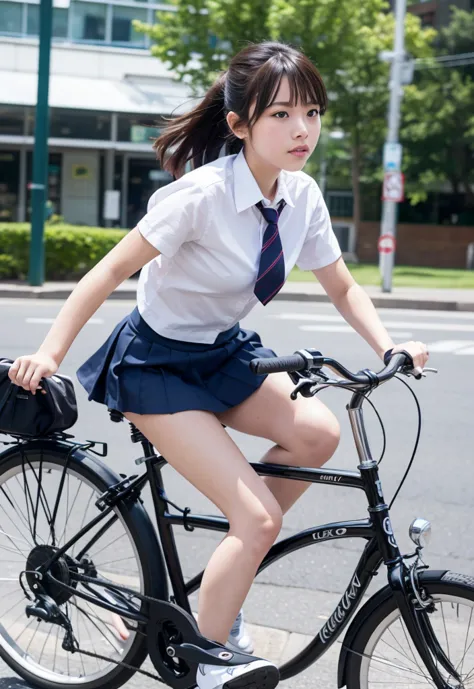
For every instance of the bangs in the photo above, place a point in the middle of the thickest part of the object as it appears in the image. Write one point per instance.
(306, 84)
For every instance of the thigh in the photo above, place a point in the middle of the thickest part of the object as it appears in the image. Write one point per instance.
(270, 413)
(198, 447)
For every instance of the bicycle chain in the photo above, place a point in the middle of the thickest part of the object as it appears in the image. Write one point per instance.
(156, 677)
(121, 663)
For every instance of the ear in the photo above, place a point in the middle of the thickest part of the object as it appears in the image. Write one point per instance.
(239, 130)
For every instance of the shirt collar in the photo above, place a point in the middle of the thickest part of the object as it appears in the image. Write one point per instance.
(246, 190)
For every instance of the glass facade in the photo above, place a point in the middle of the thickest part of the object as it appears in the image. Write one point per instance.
(107, 23)
(139, 129)
(11, 119)
(122, 27)
(88, 21)
(11, 17)
(74, 124)
(9, 180)
(59, 21)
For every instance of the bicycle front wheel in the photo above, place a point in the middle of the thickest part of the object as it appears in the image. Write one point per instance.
(383, 653)
(45, 498)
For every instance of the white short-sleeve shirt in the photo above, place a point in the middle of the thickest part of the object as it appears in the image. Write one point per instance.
(209, 233)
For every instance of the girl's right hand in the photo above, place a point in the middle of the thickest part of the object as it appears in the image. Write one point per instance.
(27, 371)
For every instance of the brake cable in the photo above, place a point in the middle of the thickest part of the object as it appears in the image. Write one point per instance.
(384, 436)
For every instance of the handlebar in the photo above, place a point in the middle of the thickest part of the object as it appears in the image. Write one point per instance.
(312, 360)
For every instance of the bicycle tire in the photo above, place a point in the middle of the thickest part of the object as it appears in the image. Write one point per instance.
(365, 661)
(135, 521)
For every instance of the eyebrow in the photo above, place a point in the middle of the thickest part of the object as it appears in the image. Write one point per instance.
(289, 104)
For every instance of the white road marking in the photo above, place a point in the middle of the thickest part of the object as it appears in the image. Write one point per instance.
(465, 350)
(448, 346)
(345, 329)
(419, 325)
(92, 321)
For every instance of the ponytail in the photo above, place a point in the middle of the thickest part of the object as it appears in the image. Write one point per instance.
(199, 135)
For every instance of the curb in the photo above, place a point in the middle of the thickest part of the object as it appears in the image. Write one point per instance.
(379, 301)
(386, 302)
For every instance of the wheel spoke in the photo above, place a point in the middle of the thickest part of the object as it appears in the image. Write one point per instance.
(43, 503)
(451, 623)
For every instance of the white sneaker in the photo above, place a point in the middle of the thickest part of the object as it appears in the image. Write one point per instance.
(239, 639)
(260, 674)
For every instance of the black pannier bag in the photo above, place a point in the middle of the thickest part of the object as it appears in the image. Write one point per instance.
(25, 414)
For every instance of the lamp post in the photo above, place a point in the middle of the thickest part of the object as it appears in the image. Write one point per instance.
(40, 151)
(390, 207)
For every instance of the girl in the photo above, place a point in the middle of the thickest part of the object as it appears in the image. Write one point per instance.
(212, 245)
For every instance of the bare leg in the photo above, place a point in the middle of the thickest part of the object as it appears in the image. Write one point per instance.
(306, 433)
(197, 446)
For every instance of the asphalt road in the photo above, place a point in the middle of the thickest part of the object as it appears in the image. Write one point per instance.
(296, 595)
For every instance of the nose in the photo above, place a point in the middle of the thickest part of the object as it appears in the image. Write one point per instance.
(300, 130)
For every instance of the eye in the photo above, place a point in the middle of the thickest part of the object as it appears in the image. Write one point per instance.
(314, 110)
(277, 115)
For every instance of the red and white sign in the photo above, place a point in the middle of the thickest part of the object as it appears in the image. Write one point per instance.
(393, 184)
(386, 244)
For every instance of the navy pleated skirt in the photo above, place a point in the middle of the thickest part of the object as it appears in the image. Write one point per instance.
(138, 370)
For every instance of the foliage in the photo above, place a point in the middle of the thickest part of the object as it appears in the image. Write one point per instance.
(70, 251)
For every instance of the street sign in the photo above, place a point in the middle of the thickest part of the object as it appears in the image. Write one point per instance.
(386, 244)
(408, 69)
(393, 183)
(392, 157)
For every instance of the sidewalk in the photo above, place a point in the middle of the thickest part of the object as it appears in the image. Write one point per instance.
(399, 298)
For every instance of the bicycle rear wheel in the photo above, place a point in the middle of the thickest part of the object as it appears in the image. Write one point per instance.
(42, 505)
(384, 654)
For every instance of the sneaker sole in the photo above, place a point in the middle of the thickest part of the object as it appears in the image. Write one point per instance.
(261, 678)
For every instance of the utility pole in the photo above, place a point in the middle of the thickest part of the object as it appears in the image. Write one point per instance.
(390, 207)
(40, 151)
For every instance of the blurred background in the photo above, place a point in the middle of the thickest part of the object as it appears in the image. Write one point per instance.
(120, 67)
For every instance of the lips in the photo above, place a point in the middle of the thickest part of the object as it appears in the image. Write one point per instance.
(299, 149)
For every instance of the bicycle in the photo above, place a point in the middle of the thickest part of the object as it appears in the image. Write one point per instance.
(60, 637)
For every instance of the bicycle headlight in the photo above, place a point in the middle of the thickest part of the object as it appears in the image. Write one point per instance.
(420, 532)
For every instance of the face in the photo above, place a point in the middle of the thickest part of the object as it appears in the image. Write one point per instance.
(284, 136)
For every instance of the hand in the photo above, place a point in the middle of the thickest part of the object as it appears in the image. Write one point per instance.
(27, 371)
(418, 352)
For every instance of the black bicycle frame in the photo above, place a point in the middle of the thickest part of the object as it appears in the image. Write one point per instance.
(381, 546)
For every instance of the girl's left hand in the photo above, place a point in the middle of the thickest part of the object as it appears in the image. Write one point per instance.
(418, 352)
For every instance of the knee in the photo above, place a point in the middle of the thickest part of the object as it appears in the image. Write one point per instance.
(317, 439)
(259, 527)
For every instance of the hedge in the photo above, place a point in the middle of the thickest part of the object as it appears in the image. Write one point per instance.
(71, 251)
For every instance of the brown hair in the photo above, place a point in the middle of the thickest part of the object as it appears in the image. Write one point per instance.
(254, 75)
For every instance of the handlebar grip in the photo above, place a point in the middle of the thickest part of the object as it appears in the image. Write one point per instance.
(279, 364)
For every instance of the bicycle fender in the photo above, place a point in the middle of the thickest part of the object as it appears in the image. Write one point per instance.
(154, 573)
(378, 599)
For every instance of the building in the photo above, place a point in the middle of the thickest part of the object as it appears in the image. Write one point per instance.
(436, 13)
(107, 97)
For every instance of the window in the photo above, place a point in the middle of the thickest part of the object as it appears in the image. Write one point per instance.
(74, 124)
(11, 119)
(59, 21)
(138, 128)
(122, 27)
(88, 21)
(10, 17)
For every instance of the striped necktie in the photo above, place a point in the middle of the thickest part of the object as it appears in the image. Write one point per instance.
(271, 271)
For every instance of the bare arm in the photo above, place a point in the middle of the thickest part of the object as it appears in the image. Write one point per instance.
(355, 305)
(125, 259)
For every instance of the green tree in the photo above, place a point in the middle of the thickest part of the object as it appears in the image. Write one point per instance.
(438, 118)
(341, 37)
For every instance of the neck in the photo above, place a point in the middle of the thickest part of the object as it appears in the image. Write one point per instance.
(266, 175)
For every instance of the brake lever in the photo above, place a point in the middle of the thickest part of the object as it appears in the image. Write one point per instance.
(420, 375)
(303, 387)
